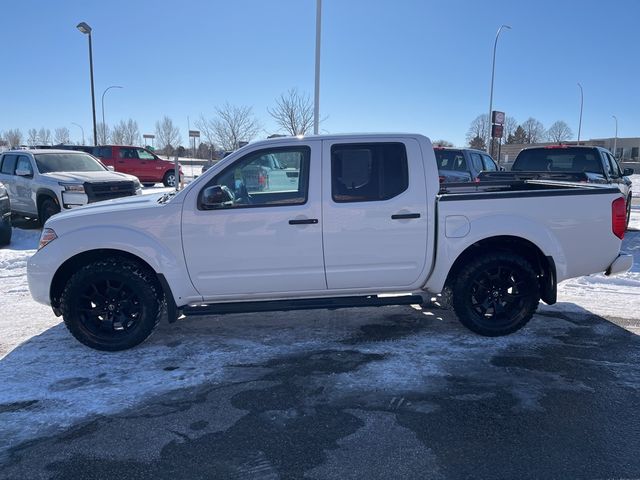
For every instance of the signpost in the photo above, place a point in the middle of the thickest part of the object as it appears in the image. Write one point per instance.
(149, 136)
(497, 129)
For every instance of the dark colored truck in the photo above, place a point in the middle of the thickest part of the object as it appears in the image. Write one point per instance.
(462, 164)
(568, 163)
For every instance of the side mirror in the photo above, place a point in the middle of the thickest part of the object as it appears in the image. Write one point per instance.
(502, 169)
(217, 196)
(628, 171)
(110, 168)
(24, 173)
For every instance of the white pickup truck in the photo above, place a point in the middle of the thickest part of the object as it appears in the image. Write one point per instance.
(365, 218)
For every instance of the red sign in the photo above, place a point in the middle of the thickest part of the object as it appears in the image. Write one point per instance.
(497, 131)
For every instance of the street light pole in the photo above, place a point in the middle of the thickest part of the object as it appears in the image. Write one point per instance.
(82, 129)
(493, 72)
(86, 29)
(316, 96)
(581, 103)
(104, 126)
(615, 140)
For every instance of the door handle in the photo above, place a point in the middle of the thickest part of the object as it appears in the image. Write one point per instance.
(303, 221)
(404, 216)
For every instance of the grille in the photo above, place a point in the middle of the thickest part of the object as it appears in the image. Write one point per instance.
(96, 192)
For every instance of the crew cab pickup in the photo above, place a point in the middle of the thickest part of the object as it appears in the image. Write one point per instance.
(462, 164)
(363, 224)
(570, 164)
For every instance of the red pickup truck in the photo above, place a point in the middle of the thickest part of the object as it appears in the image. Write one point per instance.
(144, 164)
(138, 161)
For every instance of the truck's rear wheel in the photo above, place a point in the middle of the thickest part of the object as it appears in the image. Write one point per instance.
(169, 179)
(5, 230)
(111, 304)
(496, 294)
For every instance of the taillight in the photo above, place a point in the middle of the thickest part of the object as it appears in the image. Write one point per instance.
(619, 217)
(476, 180)
(441, 179)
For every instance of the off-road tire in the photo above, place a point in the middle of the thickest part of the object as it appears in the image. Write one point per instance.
(169, 179)
(48, 208)
(5, 231)
(496, 294)
(78, 298)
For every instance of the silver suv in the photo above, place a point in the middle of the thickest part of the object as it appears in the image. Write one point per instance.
(41, 183)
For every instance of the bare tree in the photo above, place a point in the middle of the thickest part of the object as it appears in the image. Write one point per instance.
(479, 129)
(534, 130)
(61, 135)
(167, 135)
(510, 125)
(126, 133)
(559, 132)
(44, 136)
(293, 112)
(104, 132)
(442, 143)
(233, 124)
(13, 137)
(32, 136)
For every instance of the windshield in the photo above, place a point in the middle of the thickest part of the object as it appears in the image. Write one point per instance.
(558, 160)
(67, 162)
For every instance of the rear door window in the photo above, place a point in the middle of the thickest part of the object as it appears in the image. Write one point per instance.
(368, 172)
(9, 164)
(101, 152)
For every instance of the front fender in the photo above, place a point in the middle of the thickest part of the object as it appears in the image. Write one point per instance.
(165, 257)
(449, 249)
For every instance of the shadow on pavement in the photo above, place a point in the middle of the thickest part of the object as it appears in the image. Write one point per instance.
(372, 393)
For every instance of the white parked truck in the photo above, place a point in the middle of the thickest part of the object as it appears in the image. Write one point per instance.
(364, 218)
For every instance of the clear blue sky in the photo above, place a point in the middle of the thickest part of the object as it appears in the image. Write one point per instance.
(401, 65)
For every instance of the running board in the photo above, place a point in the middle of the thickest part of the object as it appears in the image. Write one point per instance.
(302, 304)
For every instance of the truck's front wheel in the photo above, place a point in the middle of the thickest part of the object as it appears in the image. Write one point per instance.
(111, 304)
(496, 294)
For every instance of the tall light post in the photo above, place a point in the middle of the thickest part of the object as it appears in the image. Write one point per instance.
(615, 139)
(316, 95)
(104, 126)
(86, 29)
(581, 103)
(80, 127)
(493, 73)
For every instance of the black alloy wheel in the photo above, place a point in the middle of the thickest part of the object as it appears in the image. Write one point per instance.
(111, 304)
(496, 294)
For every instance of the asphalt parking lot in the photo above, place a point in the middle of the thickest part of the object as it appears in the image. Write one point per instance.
(392, 392)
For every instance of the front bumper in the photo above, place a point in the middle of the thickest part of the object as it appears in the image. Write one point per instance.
(621, 264)
(39, 276)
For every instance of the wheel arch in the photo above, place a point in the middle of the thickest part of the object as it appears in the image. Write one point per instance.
(72, 264)
(44, 193)
(544, 265)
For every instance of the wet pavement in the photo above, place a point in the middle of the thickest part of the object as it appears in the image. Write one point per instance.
(392, 392)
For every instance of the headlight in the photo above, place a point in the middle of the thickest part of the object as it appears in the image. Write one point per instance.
(48, 236)
(73, 187)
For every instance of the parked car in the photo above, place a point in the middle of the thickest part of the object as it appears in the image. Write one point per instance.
(363, 218)
(41, 183)
(570, 163)
(462, 164)
(137, 161)
(5, 216)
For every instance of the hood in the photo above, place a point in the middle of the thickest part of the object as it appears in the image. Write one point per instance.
(116, 205)
(99, 176)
